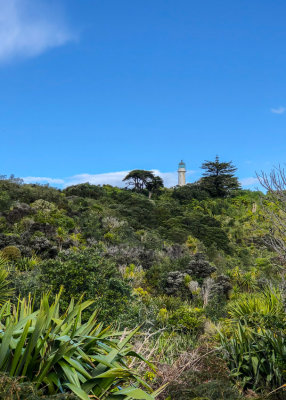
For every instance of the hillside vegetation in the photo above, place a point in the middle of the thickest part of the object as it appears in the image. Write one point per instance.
(192, 267)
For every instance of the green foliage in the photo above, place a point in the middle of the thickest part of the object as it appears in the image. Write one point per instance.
(216, 309)
(188, 319)
(156, 263)
(264, 309)
(27, 263)
(110, 237)
(11, 253)
(245, 280)
(193, 244)
(90, 273)
(185, 194)
(254, 340)
(12, 388)
(219, 179)
(58, 352)
(185, 319)
(207, 229)
(140, 179)
(256, 357)
(85, 190)
(6, 291)
(138, 211)
(5, 201)
(48, 213)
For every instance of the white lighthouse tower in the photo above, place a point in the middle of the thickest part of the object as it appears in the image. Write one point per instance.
(182, 174)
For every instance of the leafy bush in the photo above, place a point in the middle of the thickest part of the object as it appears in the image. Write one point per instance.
(85, 190)
(185, 194)
(188, 319)
(11, 253)
(88, 272)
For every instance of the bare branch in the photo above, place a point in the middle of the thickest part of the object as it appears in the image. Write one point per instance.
(275, 209)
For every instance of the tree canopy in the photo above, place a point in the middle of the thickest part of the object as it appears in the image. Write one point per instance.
(219, 179)
(140, 179)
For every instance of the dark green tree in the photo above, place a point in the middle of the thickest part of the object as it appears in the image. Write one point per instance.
(155, 185)
(189, 192)
(219, 179)
(139, 179)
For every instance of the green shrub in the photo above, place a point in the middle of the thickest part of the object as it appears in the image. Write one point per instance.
(110, 237)
(188, 319)
(87, 271)
(27, 263)
(216, 308)
(85, 190)
(11, 253)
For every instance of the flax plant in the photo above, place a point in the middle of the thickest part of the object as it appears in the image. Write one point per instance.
(60, 353)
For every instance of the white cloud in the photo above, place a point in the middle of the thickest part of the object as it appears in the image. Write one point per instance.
(115, 179)
(171, 178)
(29, 27)
(41, 179)
(279, 110)
(249, 181)
(110, 178)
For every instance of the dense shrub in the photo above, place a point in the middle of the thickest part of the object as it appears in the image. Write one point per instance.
(188, 319)
(88, 272)
(85, 190)
(11, 253)
(185, 194)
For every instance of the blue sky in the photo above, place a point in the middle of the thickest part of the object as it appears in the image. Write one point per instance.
(91, 89)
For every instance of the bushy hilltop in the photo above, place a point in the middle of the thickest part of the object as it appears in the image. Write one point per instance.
(184, 264)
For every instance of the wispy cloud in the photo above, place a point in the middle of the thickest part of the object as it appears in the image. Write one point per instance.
(110, 178)
(279, 110)
(30, 27)
(41, 179)
(115, 179)
(171, 178)
(245, 182)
